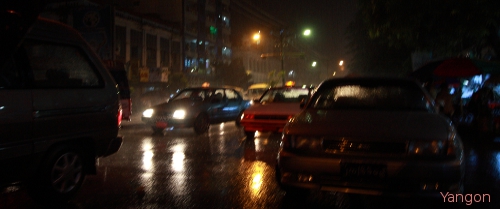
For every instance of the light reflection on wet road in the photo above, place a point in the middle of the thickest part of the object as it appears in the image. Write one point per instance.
(223, 170)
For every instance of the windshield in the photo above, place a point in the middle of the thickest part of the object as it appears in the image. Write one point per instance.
(287, 95)
(358, 96)
(195, 94)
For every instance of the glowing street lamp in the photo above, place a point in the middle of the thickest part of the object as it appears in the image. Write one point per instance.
(256, 36)
(313, 64)
(307, 32)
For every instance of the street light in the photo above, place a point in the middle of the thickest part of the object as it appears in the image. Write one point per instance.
(307, 32)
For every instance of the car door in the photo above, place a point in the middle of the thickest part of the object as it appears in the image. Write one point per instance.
(16, 119)
(233, 106)
(217, 104)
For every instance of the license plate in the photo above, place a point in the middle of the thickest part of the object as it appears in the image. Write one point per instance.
(161, 124)
(363, 171)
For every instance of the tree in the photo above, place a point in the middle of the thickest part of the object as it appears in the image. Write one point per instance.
(371, 56)
(446, 27)
(233, 74)
(385, 33)
(275, 77)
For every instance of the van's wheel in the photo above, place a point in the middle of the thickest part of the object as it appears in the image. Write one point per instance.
(60, 176)
(201, 124)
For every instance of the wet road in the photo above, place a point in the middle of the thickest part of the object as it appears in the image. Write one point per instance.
(223, 170)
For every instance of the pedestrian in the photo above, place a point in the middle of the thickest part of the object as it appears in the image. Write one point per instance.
(479, 106)
(445, 100)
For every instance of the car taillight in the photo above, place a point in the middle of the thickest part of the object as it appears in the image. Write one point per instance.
(120, 113)
(247, 116)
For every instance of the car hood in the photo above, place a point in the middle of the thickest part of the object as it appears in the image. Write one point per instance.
(274, 109)
(379, 125)
(177, 104)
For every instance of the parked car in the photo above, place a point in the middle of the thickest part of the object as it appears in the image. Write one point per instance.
(59, 107)
(371, 136)
(197, 108)
(272, 111)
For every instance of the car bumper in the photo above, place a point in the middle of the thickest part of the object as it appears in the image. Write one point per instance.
(170, 123)
(263, 126)
(113, 146)
(403, 178)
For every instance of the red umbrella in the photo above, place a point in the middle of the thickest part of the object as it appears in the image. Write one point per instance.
(455, 68)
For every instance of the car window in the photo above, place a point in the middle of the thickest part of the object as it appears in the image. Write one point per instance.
(232, 95)
(285, 95)
(57, 65)
(196, 94)
(371, 97)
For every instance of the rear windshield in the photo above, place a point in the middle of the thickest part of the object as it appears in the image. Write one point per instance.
(372, 96)
(286, 95)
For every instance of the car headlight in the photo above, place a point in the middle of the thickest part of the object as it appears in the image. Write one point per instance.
(148, 113)
(179, 114)
(302, 143)
(433, 147)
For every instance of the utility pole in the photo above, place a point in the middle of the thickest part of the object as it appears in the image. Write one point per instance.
(282, 56)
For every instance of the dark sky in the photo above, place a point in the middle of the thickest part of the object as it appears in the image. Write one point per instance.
(327, 19)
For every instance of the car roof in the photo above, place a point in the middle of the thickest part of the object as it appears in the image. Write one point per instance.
(44, 28)
(207, 88)
(370, 79)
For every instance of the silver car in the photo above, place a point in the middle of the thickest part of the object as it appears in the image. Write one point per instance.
(372, 136)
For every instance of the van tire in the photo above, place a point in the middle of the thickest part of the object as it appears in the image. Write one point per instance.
(60, 176)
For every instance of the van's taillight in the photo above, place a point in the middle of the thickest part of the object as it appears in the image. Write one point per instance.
(120, 113)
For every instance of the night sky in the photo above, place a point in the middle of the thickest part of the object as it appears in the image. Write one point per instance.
(327, 19)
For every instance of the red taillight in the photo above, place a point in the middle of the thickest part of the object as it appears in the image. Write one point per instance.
(248, 116)
(120, 113)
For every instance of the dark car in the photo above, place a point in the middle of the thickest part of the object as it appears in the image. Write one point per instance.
(59, 107)
(197, 108)
(371, 136)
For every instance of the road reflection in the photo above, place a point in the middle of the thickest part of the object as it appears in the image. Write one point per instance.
(221, 169)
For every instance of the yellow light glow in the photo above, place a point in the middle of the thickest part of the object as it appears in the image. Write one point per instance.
(256, 36)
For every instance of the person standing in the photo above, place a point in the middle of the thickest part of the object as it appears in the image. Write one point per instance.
(445, 100)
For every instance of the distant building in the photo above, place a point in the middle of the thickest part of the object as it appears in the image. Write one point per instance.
(176, 36)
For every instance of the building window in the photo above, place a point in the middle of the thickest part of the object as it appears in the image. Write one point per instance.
(164, 52)
(136, 45)
(120, 43)
(151, 51)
